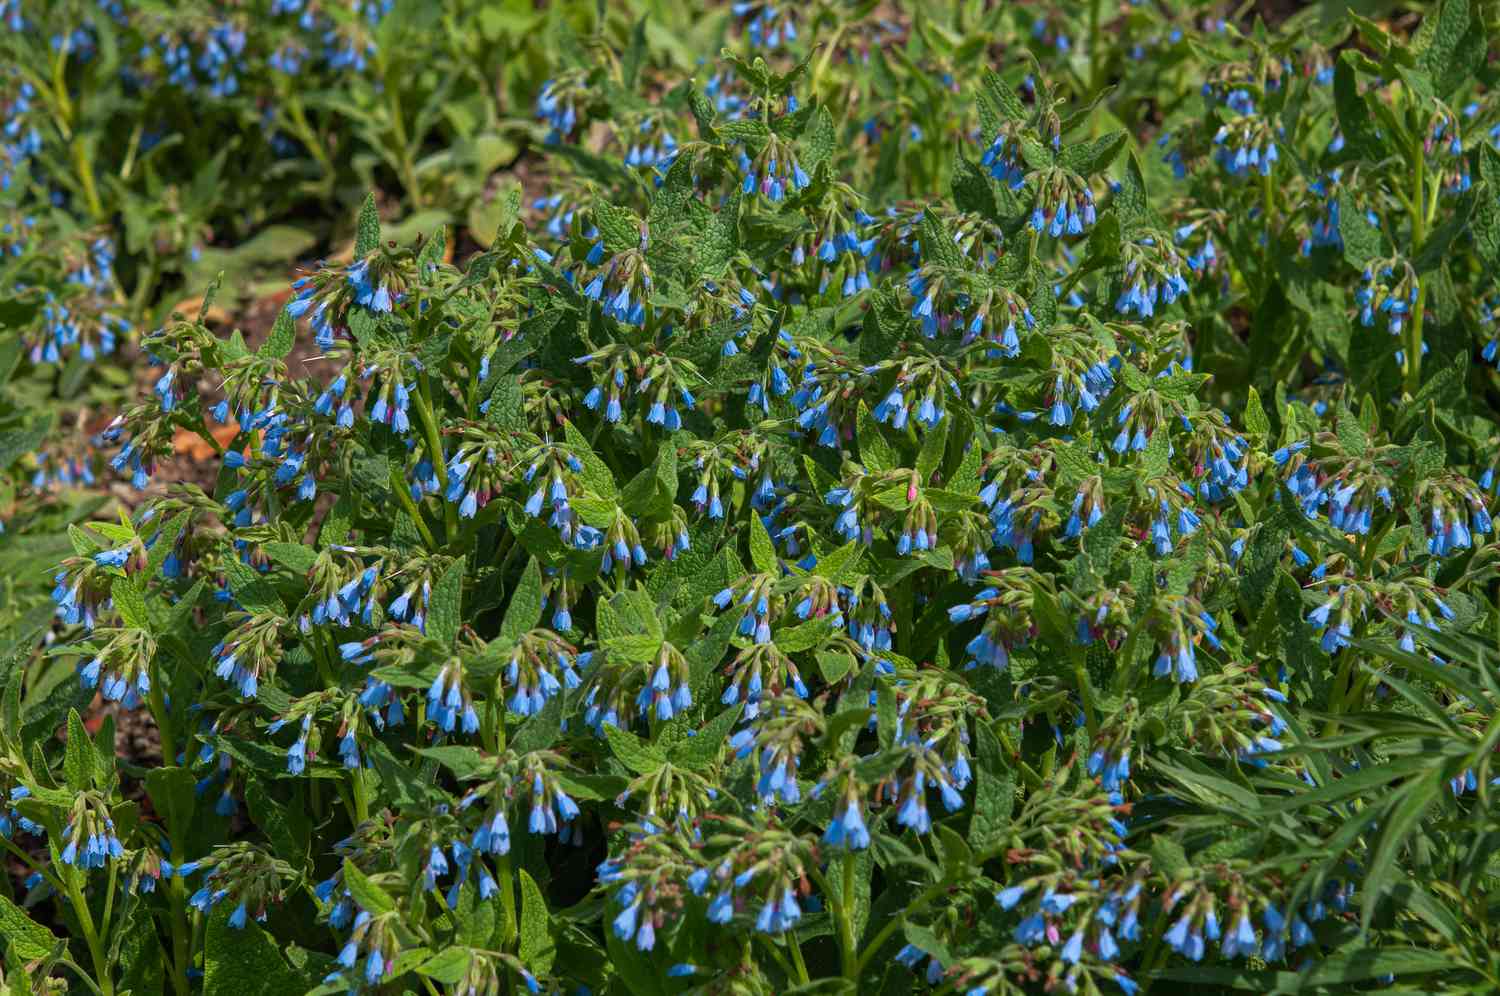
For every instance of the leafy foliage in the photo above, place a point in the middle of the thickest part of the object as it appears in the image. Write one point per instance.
(869, 526)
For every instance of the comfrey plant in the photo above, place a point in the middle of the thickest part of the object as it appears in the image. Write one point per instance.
(830, 541)
(146, 147)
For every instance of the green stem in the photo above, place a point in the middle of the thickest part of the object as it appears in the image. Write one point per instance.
(90, 936)
(398, 485)
(309, 138)
(916, 906)
(508, 924)
(145, 284)
(109, 899)
(361, 795)
(796, 949)
(182, 935)
(774, 952)
(82, 975)
(1028, 774)
(825, 59)
(84, 166)
(1418, 236)
(403, 148)
(158, 702)
(847, 940)
(435, 451)
(1086, 693)
(1414, 341)
(1094, 46)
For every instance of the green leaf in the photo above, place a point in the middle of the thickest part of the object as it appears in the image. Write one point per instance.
(994, 793)
(537, 949)
(635, 969)
(1256, 421)
(1356, 123)
(448, 966)
(618, 226)
(819, 141)
(1005, 99)
(525, 609)
(1169, 858)
(288, 828)
(340, 519)
(367, 228)
(635, 56)
(542, 729)
(366, 892)
(804, 636)
(250, 589)
(699, 751)
(130, 604)
(445, 612)
(637, 755)
(1131, 202)
(1091, 158)
(1156, 460)
(172, 796)
(762, 550)
(1451, 45)
(934, 444)
(166, 540)
(293, 556)
(283, 336)
(596, 475)
(464, 762)
(874, 452)
(937, 242)
(245, 961)
(78, 760)
(721, 237)
(1362, 241)
(840, 565)
(972, 189)
(16, 443)
(27, 939)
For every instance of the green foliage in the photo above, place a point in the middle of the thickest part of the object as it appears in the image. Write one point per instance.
(973, 499)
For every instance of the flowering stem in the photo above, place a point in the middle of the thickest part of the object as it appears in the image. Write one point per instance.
(90, 936)
(182, 935)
